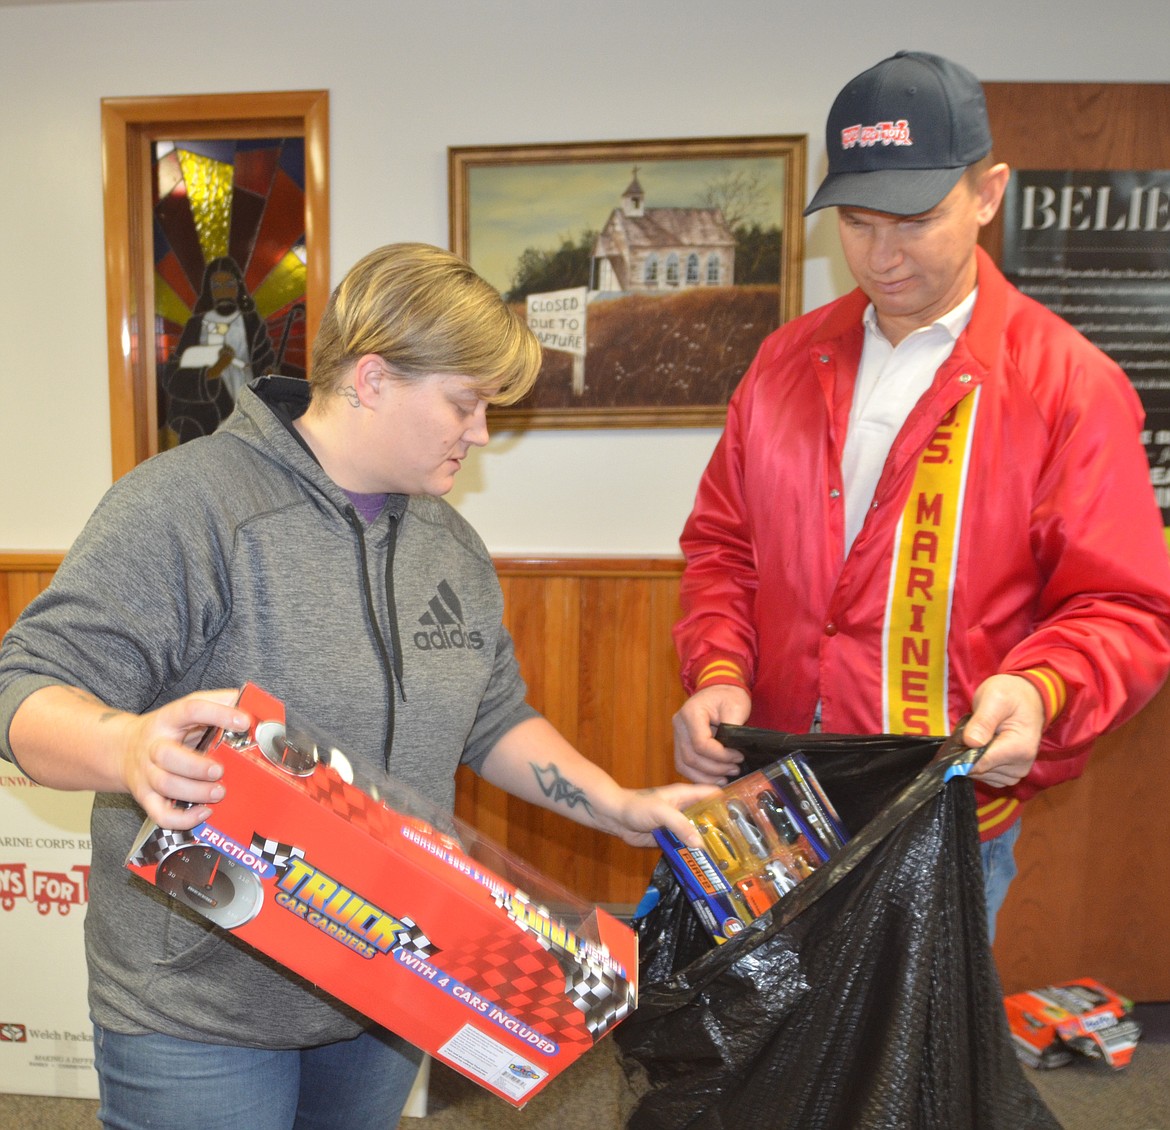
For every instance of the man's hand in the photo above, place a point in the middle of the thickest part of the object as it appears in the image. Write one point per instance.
(697, 755)
(1008, 713)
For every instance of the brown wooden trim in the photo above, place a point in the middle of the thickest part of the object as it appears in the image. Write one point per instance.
(30, 561)
(22, 577)
(129, 125)
(666, 567)
(37, 559)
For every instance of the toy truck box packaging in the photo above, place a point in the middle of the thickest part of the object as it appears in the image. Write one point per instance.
(384, 902)
(1051, 1025)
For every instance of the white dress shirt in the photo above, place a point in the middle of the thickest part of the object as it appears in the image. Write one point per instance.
(890, 381)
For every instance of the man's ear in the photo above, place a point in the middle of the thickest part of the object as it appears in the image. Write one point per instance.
(992, 186)
(370, 376)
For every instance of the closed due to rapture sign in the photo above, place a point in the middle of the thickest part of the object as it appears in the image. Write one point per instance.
(558, 319)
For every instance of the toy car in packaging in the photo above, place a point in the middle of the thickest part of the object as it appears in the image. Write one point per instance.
(762, 836)
(1052, 1024)
(396, 908)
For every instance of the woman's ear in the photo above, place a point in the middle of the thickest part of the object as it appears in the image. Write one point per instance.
(370, 376)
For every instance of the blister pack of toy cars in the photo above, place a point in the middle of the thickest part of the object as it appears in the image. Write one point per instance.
(761, 837)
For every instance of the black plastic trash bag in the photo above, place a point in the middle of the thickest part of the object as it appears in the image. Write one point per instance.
(867, 998)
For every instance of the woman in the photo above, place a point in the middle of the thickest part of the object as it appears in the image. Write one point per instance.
(305, 547)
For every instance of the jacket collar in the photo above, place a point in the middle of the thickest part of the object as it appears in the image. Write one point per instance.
(983, 334)
(985, 331)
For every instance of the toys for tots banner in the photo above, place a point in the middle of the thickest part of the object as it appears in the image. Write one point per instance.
(46, 1041)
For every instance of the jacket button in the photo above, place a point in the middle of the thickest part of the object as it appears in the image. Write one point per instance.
(834, 493)
(824, 358)
(830, 629)
(965, 379)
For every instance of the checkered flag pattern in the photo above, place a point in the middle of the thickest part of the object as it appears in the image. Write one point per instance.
(415, 941)
(511, 970)
(602, 996)
(352, 804)
(274, 851)
(160, 843)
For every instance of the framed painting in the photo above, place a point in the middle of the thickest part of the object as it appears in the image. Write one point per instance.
(217, 255)
(651, 271)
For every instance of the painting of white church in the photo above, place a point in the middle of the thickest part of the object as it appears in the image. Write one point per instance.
(648, 250)
(649, 270)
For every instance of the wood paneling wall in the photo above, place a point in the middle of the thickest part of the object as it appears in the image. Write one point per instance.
(23, 576)
(595, 648)
(593, 637)
(1091, 898)
(594, 642)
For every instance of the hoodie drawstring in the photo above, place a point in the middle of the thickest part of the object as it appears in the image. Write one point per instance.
(392, 655)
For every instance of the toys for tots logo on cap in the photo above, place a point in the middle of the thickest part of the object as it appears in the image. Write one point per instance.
(880, 133)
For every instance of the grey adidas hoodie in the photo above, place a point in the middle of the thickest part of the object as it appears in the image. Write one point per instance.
(235, 558)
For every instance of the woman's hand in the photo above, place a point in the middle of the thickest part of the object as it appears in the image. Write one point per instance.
(65, 738)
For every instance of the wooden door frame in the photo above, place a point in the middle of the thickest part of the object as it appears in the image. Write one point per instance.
(129, 127)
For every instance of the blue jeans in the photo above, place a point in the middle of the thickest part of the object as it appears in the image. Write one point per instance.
(160, 1082)
(999, 869)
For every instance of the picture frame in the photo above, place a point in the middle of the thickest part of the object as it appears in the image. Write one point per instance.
(651, 271)
(131, 127)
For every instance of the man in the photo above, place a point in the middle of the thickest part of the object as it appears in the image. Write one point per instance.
(930, 498)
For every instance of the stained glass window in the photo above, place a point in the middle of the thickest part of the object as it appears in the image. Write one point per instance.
(229, 274)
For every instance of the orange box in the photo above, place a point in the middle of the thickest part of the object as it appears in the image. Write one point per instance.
(1049, 1025)
(487, 966)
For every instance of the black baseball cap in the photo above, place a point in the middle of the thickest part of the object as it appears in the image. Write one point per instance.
(900, 135)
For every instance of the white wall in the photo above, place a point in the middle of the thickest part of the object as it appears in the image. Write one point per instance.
(407, 78)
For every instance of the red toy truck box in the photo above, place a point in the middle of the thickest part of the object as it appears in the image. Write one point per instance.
(491, 969)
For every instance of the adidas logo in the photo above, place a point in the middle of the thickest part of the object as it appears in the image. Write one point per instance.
(443, 624)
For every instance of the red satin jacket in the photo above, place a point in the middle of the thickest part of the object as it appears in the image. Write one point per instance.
(1055, 556)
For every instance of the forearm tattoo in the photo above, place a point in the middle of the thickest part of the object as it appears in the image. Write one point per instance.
(558, 789)
(93, 700)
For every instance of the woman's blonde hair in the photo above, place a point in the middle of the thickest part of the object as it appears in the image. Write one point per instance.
(424, 310)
